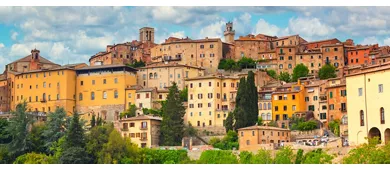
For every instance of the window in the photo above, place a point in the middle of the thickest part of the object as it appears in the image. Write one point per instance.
(343, 92)
(380, 87)
(293, 97)
(361, 118)
(285, 108)
(315, 98)
(191, 85)
(331, 107)
(276, 108)
(81, 96)
(336, 49)
(290, 58)
(360, 91)
(307, 99)
(280, 66)
(104, 95)
(269, 106)
(330, 95)
(44, 85)
(289, 66)
(324, 107)
(285, 117)
(129, 95)
(343, 107)
(200, 113)
(93, 82)
(116, 80)
(201, 46)
(260, 106)
(200, 84)
(294, 107)
(209, 84)
(147, 95)
(104, 81)
(81, 83)
(115, 94)
(382, 112)
(311, 108)
(92, 95)
(281, 58)
(322, 115)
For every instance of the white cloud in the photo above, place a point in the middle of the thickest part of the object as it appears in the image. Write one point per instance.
(179, 34)
(386, 41)
(310, 27)
(14, 35)
(369, 40)
(214, 30)
(263, 27)
(2, 45)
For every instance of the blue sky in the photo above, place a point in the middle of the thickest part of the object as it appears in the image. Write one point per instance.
(73, 34)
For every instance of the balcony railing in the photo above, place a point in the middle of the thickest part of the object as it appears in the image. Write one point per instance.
(143, 127)
(43, 100)
(233, 100)
(124, 129)
(143, 139)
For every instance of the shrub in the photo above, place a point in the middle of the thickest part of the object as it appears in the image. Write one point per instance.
(217, 157)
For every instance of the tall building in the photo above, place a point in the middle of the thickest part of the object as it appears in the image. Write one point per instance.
(368, 104)
(146, 34)
(229, 32)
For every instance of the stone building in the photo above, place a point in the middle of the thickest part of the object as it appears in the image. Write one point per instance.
(229, 33)
(254, 138)
(286, 49)
(34, 61)
(313, 90)
(252, 46)
(126, 53)
(337, 99)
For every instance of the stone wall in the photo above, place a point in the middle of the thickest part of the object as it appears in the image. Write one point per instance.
(306, 134)
(107, 112)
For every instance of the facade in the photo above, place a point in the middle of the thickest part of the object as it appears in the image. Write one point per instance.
(229, 33)
(312, 60)
(204, 53)
(34, 61)
(286, 49)
(368, 105)
(313, 90)
(142, 130)
(210, 100)
(334, 54)
(101, 90)
(337, 99)
(361, 55)
(313, 45)
(161, 76)
(288, 101)
(252, 46)
(128, 52)
(4, 102)
(265, 105)
(251, 138)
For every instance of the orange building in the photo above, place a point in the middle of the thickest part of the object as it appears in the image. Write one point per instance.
(361, 54)
(253, 138)
(337, 99)
(318, 44)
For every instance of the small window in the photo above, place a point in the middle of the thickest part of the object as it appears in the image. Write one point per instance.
(380, 88)
(92, 95)
(361, 118)
(115, 94)
(104, 95)
(116, 80)
(360, 91)
(382, 115)
(81, 83)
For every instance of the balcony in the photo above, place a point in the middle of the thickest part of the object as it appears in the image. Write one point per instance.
(124, 129)
(43, 101)
(143, 139)
(143, 128)
(232, 100)
(224, 99)
(169, 58)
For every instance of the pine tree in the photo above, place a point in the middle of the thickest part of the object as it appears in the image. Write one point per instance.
(75, 133)
(229, 122)
(55, 124)
(93, 121)
(172, 125)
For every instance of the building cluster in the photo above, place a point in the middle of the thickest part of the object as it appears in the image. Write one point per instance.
(107, 86)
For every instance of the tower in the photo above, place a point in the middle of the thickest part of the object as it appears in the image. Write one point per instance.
(146, 34)
(34, 62)
(229, 33)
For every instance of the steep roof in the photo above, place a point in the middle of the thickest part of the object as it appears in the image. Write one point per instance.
(28, 59)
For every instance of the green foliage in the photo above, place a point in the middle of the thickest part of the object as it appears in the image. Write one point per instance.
(130, 112)
(299, 71)
(334, 126)
(18, 129)
(189, 130)
(262, 157)
(36, 139)
(228, 65)
(228, 142)
(93, 121)
(260, 121)
(246, 62)
(285, 76)
(184, 94)
(172, 125)
(34, 158)
(4, 154)
(299, 157)
(284, 156)
(137, 64)
(369, 153)
(154, 156)
(57, 148)
(116, 148)
(75, 133)
(272, 73)
(317, 156)
(55, 127)
(5, 136)
(97, 137)
(217, 157)
(229, 122)
(327, 71)
(302, 125)
(272, 124)
(75, 155)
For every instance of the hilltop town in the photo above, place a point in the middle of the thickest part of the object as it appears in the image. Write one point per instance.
(309, 94)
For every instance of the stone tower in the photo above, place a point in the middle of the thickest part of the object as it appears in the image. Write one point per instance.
(34, 62)
(146, 34)
(229, 33)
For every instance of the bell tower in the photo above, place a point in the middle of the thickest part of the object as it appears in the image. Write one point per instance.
(34, 62)
(229, 33)
(146, 34)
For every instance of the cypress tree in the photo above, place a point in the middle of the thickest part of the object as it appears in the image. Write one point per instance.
(251, 107)
(172, 125)
(229, 122)
(93, 121)
(241, 99)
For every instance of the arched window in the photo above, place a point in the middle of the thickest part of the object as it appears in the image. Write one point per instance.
(260, 106)
(263, 116)
(361, 118)
(269, 116)
(382, 112)
(150, 75)
(81, 96)
(104, 95)
(269, 106)
(44, 97)
(155, 75)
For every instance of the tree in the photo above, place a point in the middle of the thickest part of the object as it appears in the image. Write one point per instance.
(334, 127)
(117, 148)
(299, 71)
(272, 73)
(130, 112)
(246, 62)
(317, 156)
(369, 153)
(260, 121)
(262, 157)
(34, 158)
(217, 157)
(228, 142)
(75, 155)
(172, 125)
(154, 156)
(93, 121)
(229, 122)
(137, 64)
(285, 76)
(241, 100)
(18, 128)
(97, 137)
(5, 136)
(284, 156)
(184, 94)
(251, 107)
(36, 139)
(4, 154)
(327, 71)
(299, 157)
(75, 133)
(55, 127)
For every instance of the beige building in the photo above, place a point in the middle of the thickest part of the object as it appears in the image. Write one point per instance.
(205, 53)
(368, 104)
(142, 130)
(161, 76)
(210, 100)
(313, 90)
(312, 60)
(149, 98)
(253, 138)
(286, 49)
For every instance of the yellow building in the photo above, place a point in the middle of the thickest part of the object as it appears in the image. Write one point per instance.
(46, 90)
(161, 75)
(288, 100)
(101, 90)
(143, 130)
(210, 100)
(368, 104)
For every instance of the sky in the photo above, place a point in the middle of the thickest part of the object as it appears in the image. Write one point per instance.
(73, 34)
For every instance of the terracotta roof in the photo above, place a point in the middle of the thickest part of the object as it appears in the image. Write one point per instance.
(105, 66)
(316, 83)
(331, 45)
(187, 40)
(284, 37)
(142, 117)
(159, 65)
(336, 85)
(28, 59)
(212, 77)
(312, 42)
(263, 128)
(378, 68)
(146, 90)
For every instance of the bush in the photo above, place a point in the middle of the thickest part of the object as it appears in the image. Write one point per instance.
(34, 158)
(334, 126)
(217, 157)
(317, 156)
(262, 157)
(272, 73)
(153, 156)
(284, 156)
(228, 142)
(369, 153)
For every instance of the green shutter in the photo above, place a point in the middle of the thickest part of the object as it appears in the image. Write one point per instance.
(330, 95)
